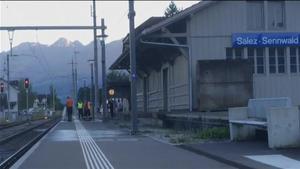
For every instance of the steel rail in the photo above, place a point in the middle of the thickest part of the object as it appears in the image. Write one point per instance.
(17, 155)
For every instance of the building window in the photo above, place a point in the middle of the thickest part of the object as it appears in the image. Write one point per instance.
(255, 15)
(239, 53)
(298, 59)
(272, 60)
(293, 59)
(250, 52)
(281, 59)
(260, 61)
(276, 14)
(229, 53)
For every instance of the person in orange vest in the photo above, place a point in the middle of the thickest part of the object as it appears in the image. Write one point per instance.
(69, 105)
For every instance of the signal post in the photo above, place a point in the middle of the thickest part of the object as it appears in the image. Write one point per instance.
(26, 86)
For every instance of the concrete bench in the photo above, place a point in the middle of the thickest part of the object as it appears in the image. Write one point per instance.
(275, 115)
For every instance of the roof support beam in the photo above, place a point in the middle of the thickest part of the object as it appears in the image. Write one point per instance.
(169, 35)
(175, 41)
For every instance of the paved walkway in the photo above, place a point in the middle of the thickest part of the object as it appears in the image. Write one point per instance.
(90, 145)
(251, 154)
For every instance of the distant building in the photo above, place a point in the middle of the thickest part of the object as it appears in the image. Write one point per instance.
(13, 100)
(217, 54)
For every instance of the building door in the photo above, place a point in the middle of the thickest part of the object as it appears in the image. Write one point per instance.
(165, 89)
(145, 93)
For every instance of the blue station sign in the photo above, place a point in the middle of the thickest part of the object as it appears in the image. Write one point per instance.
(265, 39)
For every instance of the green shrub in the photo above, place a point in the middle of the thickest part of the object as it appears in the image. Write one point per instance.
(213, 133)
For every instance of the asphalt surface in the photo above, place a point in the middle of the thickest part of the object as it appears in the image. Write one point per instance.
(79, 145)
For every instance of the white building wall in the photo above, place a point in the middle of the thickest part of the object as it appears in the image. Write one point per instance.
(210, 33)
(177, 88)
(139, 96)
(287, 84)
(13, 97)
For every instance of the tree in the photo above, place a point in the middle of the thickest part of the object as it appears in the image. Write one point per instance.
(171, 10)
(58, 104)
(117, 76)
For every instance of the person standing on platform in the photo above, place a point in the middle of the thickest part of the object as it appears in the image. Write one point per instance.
(69, 105)
(111, 108)
(80, 109)
(87, 109)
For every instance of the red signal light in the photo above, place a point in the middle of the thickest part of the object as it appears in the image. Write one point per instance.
(26, 83)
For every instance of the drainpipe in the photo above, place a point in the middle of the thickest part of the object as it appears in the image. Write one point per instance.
(189, 63)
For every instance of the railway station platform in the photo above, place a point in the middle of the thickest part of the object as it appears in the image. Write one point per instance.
(97, 145)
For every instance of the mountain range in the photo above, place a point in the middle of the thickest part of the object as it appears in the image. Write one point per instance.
(50, 64)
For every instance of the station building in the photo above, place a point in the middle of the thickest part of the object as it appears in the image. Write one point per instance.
(217, 54)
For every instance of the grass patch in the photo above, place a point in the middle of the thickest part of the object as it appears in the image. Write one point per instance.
(212, 133)
(38, 116)
(3, 121)
(124, 126)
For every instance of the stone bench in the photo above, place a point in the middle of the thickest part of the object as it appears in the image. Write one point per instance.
(275, 115)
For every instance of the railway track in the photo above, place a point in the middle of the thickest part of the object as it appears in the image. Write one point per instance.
(14, 146)
(5, 126)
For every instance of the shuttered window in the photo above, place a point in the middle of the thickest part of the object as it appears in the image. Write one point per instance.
(293, 59)
(255, 15)
(260, 59)
(281, 59)
(272, 60)
(276, 14)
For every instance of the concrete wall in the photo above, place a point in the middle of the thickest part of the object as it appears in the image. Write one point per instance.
(177, 89)
(283, 127)
(223, 84)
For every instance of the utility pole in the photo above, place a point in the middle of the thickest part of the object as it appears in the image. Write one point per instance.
(53, 97)
(8, 93)
(27, 109)
(131, 16)
(96, 102)
(75, 77)
(10, 37)
(84, 90)
(92, 84)
(103, 53)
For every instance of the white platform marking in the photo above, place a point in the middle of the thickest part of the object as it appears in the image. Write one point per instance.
(278, 161)
(93, 155)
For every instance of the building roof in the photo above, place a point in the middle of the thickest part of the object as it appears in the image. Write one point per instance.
(155, 23)
(181, 15)
(138, 31)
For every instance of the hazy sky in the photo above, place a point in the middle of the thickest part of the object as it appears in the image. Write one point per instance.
(39, 13)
